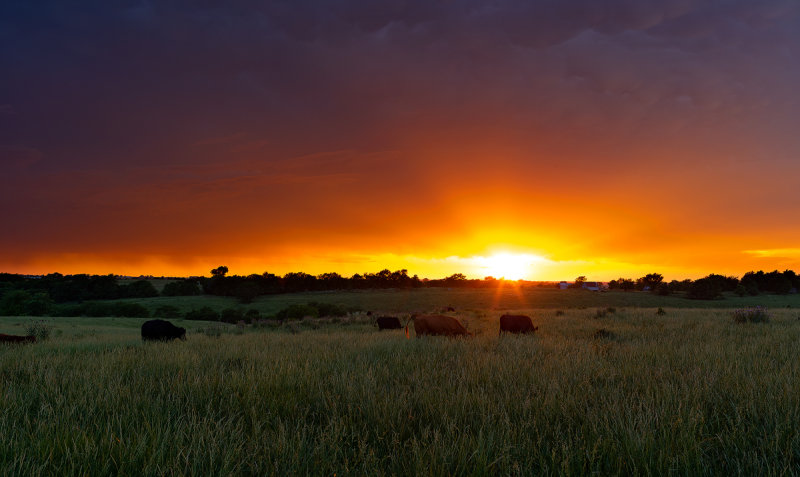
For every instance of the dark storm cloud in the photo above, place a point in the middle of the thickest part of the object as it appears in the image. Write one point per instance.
(276, 101)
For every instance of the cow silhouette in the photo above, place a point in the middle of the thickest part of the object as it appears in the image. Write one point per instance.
(161, 330)
(437, 325)
(516, 324)
(4, 338)
(388, 323)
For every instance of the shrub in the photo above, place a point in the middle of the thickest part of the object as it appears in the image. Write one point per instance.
(298, 311)
(230, 315)
(740, 290)
(205, 313)
(660, 311)
(755, 314)
(23, 303)
(40, 329)
(252, 315)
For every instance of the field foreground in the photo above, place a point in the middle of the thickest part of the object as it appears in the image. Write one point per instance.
(688, 392)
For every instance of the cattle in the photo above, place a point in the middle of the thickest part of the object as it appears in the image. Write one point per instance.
(160, 330)
(441, 325)
(388, 323)
(4, 338)
(516, 324)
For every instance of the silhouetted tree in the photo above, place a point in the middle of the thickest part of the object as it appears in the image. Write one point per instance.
(220, 271)
(649, 281)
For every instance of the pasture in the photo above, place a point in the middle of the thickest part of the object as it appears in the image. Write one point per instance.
(686, 392)
(468, 299)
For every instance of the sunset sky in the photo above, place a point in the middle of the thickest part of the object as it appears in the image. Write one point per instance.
(598, 138)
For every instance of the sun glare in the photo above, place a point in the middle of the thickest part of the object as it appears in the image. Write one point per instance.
(510, 266)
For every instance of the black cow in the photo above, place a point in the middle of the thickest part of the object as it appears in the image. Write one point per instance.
(516, 324)
(4, 338)
(388, 323)
(162, 331)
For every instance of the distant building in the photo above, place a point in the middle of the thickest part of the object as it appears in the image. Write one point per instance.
(593, 286)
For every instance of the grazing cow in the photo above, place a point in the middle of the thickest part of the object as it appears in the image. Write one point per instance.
(4, 338)
(437, 325)
(388, 323)
(517, 324)
(162, 331)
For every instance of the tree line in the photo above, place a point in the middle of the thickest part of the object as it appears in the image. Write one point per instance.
(21, 295)
(713, 286)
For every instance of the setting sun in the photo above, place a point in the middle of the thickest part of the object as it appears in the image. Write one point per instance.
(510, 266)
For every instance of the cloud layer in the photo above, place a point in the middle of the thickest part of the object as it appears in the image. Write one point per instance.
(633, 131)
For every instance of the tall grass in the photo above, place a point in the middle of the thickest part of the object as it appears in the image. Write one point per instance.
(689, 392)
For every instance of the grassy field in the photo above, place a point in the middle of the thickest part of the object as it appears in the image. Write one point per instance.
(689, 392)
(508, 298)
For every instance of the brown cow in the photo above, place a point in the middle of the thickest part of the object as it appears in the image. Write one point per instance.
(437, 325)
(517, 324)
(4, 338)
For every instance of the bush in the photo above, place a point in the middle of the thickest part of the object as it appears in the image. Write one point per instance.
(740, 290)
(298, 311)
(40, 329)
(167, 311)
(756, 314)
(660, 311)
(252, 315)
(23, 303)
(230, 315)
(205, 313)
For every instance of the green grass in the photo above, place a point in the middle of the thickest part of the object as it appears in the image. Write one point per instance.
(428, 299)
(689, 392)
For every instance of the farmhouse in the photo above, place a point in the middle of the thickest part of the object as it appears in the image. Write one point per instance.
(593, 286)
